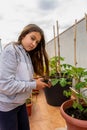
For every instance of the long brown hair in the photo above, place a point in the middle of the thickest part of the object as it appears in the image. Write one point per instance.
(38, 55)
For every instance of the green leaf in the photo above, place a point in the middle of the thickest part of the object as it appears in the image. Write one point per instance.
(54, 81)
(63, 82)
(77, 105)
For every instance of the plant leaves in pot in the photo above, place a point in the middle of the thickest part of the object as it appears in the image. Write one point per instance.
(74, 111)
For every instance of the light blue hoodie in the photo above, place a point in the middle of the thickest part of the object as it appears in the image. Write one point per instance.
(16, 77)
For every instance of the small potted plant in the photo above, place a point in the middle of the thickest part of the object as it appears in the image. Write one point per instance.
(29, 106)
(74, 110)
(60, 80)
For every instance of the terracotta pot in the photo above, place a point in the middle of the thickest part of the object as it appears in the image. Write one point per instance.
(35, 92)
(29, 109)
(72, 123)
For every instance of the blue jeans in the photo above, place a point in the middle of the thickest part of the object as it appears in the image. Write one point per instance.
(16, 119)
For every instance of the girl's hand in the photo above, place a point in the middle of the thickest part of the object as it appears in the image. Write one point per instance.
(41, 84)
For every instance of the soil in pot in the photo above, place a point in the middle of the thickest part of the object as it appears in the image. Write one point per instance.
(76, 113)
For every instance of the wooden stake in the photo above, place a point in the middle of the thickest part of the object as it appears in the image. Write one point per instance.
(58, 47)
(75, 31)
(86, 21)
(55, 45)
(58, 42)
(54, 40)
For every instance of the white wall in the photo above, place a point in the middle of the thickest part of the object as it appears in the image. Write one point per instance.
(67, 44)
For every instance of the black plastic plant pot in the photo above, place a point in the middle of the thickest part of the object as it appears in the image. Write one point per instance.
(54, 95)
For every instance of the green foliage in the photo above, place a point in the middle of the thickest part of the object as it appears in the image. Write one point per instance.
(63, 82)
(78, 105)
(54, 81)
(67, 93)
(59, 72)
(63, 72)
(79, 74)
(53, 64)
(80, 84)
(28, 100)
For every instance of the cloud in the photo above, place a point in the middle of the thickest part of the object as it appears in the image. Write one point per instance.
(15, 14)
(48, 4)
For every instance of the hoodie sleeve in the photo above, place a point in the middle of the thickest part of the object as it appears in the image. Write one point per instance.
(8, 66)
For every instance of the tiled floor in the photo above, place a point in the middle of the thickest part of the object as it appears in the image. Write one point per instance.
(44, 116)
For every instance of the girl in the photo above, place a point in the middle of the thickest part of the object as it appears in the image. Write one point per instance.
(19, 61)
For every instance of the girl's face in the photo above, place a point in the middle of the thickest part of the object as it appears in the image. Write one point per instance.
(31, 40)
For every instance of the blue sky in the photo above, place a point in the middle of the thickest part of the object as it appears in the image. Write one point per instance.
(15, 14)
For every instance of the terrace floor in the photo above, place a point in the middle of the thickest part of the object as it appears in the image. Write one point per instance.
(44, 116)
